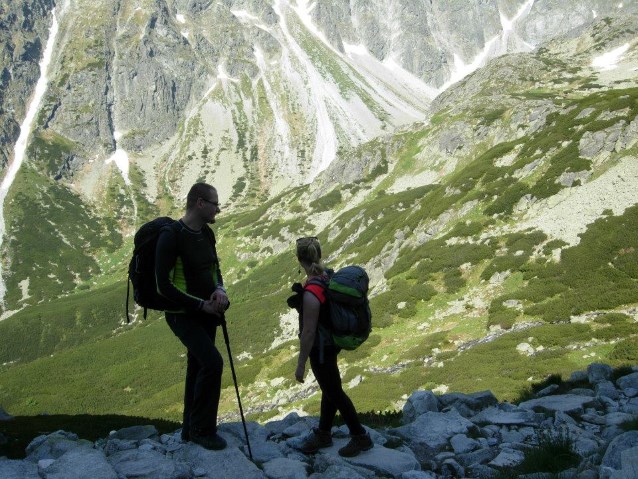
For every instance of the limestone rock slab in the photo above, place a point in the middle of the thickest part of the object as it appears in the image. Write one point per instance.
(567, 403)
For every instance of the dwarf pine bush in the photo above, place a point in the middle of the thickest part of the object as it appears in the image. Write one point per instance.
(631, 425)
(626, 351)
(553, 452)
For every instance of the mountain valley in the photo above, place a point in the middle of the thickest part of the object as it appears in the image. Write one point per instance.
(496, 215)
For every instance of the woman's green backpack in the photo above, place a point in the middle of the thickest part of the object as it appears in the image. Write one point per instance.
(350, 318)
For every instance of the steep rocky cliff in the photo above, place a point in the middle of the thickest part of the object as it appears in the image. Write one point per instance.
(23, 31)
(264, 94)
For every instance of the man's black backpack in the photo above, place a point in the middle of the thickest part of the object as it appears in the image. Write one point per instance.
(350, 319)
(141, 269)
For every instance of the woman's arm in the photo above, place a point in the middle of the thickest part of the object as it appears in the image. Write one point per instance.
(311, 306)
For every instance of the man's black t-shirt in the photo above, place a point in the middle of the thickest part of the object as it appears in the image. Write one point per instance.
(186, 266)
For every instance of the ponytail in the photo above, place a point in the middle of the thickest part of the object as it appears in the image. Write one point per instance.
(309, 254)
(316, 269)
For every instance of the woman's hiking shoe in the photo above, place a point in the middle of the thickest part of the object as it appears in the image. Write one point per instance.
(317, 439)
(213, 441)
(357, 444)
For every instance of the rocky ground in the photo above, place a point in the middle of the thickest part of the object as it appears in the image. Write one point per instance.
(452, 435)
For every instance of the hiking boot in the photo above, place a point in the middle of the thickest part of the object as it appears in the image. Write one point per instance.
(357, 444)
(317, 439)
(212, 441)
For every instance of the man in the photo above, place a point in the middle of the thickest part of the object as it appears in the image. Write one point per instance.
(187, 272)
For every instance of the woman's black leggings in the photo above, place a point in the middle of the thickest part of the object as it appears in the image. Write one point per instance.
(333, 398)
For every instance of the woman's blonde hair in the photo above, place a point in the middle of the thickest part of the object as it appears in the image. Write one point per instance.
(309, 254)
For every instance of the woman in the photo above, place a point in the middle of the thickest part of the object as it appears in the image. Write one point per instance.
(323, 358)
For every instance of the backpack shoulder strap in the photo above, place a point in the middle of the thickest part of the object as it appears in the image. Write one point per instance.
(175, 227)
(322, 280)
(318, 282)
(318, 287)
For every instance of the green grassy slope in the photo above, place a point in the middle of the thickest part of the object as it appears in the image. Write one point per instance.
(139, 370)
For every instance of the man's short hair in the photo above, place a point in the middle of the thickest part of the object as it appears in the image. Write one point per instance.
(198, 190)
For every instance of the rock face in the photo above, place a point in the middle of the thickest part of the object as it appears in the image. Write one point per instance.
(23, 32)
(425, 37)
(453, 435)
(130, 77)
(124, 83)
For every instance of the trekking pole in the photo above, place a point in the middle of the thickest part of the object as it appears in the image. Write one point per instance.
(232, 369)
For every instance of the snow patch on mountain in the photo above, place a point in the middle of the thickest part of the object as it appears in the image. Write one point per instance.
(461, 69)
(121, 159)
(609, 60)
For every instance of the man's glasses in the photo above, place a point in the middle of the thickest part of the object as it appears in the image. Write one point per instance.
(214, 203)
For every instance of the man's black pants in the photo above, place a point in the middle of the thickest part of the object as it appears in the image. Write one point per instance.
(203, 372)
